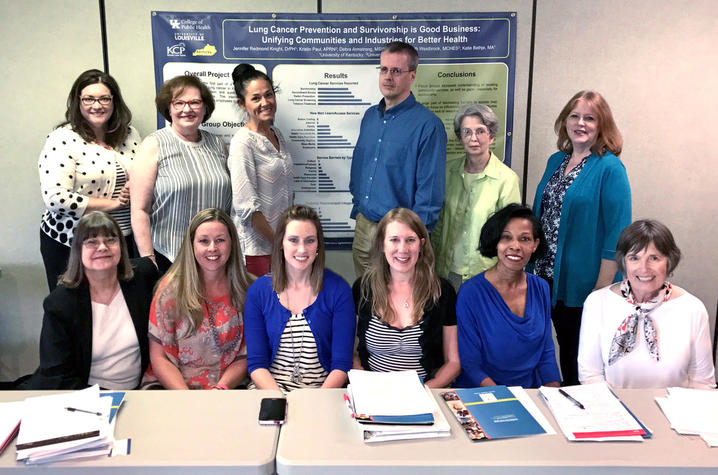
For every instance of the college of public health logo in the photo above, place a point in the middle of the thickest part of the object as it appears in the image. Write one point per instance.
(175, 24)
(176, 50)
(206, 50)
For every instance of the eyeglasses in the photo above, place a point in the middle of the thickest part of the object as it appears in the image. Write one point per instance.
(575, 118)
(467, 133)
(89, 100)
(383, 70)
(94, 243)
(193, 104)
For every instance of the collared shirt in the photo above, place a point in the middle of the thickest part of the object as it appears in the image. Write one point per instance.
(399, 160)
(466, 209)
(261, 181)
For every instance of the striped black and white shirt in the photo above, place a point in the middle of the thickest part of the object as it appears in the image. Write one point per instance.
(297, 345)
(392, 349)
(122, 215)
(191, 176)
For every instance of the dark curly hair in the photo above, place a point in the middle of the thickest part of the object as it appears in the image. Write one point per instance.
(494, 226)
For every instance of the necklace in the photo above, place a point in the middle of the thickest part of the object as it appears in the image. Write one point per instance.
(403, 300)
(213, 309)
(296, 377)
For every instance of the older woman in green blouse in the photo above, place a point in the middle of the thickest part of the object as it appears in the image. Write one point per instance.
(476, 186)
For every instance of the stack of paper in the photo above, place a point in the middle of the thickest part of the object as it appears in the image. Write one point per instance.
(592, 412)
(496, 412)
(393, 406)
(692, 411)
(65, 426)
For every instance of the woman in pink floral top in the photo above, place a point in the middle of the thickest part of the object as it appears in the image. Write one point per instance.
(196, 325)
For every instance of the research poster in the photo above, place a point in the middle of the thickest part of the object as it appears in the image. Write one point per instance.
(325, 67)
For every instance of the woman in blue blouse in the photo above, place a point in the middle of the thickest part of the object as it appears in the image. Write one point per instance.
(584, 202)
(299, 320)
(503, 314)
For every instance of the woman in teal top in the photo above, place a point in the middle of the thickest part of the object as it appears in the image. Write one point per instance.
(477, 185)
(584, 202)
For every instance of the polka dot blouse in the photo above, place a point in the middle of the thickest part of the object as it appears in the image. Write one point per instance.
(73, 170)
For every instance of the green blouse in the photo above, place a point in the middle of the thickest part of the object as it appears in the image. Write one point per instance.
(468, 203)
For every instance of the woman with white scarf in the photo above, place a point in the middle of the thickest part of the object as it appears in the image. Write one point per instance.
(645, 332)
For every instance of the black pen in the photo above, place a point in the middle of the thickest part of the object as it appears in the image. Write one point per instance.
(568, 396)
(74, 409)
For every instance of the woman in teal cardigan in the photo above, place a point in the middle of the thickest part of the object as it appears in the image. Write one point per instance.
(584, 202)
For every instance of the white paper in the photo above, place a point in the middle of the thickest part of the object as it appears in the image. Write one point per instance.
(387, 432)
(121, 447)
(603, 412)
(695, 410)
(395, 393)
(692, 411)
(47, 417)
(710, 439)
(528, 403)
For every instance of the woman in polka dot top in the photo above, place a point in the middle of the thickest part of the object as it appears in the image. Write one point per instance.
(84, 166)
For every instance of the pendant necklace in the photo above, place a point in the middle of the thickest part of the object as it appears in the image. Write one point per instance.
(296, 376)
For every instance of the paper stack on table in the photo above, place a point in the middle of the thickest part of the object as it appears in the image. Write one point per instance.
(602, 417)
(393, 406)
(692, 411)
(65, 426)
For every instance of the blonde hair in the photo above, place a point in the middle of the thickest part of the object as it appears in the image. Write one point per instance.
(183, 281)
(279, 271)
(376, 279)
(608, 136)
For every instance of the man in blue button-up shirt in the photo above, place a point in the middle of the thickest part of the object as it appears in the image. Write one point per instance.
(400, 155)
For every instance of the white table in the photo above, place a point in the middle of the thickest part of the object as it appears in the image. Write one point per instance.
(176, 432)
(320, 438)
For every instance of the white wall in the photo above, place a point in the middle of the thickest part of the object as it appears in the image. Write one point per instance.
(43, 52)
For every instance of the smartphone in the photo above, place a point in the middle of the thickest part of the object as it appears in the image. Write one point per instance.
(273, 411)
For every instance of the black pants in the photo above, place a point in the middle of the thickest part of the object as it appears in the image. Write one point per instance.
(56, 255)
(163, 264)
(567, 323)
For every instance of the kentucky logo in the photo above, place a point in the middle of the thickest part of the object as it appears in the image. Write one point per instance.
(207, 50)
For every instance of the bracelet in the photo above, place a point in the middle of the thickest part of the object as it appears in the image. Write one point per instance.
(220, 386)
(151, 256)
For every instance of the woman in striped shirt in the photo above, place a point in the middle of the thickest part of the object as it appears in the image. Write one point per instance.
(406, 313)
(299, 319)
(180, 170)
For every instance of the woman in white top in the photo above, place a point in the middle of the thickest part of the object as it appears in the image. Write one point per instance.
(94, 330)
(260, 167)
(84, 166)
(645, 332)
